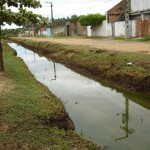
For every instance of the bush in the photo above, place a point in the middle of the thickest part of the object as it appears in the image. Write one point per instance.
(91, 19)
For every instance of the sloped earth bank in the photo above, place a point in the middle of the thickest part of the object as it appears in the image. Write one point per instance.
(104, 43)
(30, 116)
(108, 66)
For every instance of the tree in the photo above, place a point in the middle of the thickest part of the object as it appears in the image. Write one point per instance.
(7, 16)
(91, 19)
(74, 19)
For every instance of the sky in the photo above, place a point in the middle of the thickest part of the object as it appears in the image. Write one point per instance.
(64, 8)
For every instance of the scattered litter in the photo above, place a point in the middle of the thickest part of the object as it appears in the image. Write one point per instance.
(47, 96)
(129, 64)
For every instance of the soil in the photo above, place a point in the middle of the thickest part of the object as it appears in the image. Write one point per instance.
(4, 82)
(105, 43)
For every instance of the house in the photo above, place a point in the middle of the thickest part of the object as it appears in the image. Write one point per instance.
(140, 11)
(135, 10)
(129, 18)
(116, 13)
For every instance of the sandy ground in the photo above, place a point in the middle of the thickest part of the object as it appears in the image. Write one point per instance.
(106, 43)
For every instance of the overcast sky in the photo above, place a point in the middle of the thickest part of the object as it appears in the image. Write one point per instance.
(64, 8)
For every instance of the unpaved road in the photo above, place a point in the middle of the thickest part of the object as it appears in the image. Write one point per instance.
(105, 43)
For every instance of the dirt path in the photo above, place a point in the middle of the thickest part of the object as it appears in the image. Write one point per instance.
(5, 83)
(106, 43)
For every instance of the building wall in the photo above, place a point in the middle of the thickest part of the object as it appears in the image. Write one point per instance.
(81, 30)
(59, 29)
(109, 29)
(89, 31)
(105, 29)
(76, 29)
(120, 28)
(113, 14)
(140, 5)
(142, 27)
(133, 28)
(100, 30)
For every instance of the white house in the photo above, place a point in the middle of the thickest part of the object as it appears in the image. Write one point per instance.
(114, 25)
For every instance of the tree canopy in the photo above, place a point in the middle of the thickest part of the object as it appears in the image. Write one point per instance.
(91, 19)
(20, 18)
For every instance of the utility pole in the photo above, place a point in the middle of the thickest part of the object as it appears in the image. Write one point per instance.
(127, 11)
(51, 5)
(52, 19)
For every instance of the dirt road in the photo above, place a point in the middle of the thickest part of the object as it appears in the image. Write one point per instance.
(105, 43)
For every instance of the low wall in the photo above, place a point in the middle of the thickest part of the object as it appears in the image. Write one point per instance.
(112, 29)
(120, 28)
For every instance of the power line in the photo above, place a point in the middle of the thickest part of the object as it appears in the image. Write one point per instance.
(94, 6)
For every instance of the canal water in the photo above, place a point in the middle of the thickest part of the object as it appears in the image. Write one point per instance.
(111, 119)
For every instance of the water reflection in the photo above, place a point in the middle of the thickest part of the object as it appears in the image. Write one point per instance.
(54, 71)
(93, 107)
(125, 121)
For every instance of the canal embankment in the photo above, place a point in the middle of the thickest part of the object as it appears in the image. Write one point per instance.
(124, 70)
(31, 116)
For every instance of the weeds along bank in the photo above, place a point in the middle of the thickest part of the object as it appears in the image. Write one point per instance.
(31, 116)
(126, 70)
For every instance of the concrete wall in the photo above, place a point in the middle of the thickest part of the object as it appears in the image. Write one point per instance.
(109, 29)
(89, 31)
(106, 29)
(100, 30)
(140, 5)
(133, 28)
(59, 29)
(120, 28)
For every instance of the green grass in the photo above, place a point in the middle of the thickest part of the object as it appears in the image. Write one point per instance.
(24, 111)
(142, 39)
(145, 39)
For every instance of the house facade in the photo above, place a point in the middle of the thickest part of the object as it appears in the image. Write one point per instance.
(116, 13)
(128, 15)
(140, 11)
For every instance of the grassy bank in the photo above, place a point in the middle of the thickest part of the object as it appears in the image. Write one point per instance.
(31, 116)
(109, 66)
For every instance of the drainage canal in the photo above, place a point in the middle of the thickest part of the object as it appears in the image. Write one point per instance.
(108, 117)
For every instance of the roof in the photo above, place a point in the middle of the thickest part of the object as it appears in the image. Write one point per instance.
(117, 9)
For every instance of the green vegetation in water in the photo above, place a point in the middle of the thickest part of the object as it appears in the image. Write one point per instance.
(26, 110)
(123, 69)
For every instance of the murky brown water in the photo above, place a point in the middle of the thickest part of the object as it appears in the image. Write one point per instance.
(108, 117)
